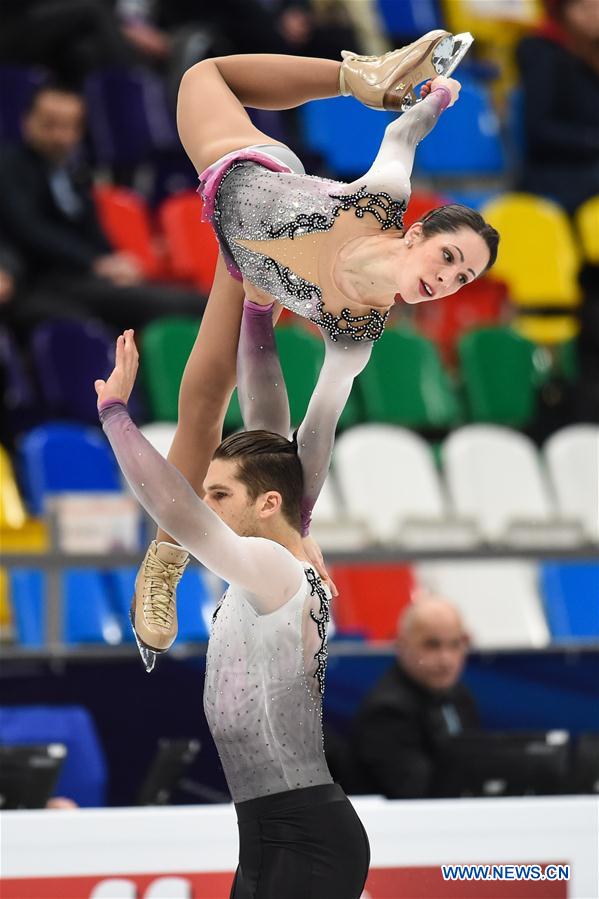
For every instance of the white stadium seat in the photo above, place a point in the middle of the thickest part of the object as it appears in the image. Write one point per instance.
(160, 434)
(572, 460)
(499, 600)
(494, 476)
(388, 479)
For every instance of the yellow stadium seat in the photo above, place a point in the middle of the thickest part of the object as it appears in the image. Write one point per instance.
(587, 223)
(5, 614)
(538, 255)
(18, 532)
(547, 330)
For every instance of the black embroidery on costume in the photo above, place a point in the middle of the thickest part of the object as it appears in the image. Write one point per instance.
(322, 620)
(298, 286)
(358, 327)
(387, 211)
(217, 609)
(304, 224)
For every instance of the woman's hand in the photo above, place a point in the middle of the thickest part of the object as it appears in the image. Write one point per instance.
(450, 84)
(314, 555)
(120, 383)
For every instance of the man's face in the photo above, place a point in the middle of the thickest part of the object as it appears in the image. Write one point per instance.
(433, 650)
(229, 498)
(54, 125)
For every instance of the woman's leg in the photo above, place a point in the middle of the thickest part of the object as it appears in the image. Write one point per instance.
(211, 117)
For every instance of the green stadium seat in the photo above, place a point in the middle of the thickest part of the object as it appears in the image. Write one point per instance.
(500, 372)
(405, 384)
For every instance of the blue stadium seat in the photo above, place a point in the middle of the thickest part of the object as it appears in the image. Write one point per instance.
(410, 18)
(83, 776)
(465, 140)
(571, 596)
(28, 607)
(194, 602)
(344, 132)
(65, 457)
(88, 615)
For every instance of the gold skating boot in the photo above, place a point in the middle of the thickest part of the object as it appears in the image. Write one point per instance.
(154, 607)
(388, 81)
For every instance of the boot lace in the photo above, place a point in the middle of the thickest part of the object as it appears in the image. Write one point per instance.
(161, 581)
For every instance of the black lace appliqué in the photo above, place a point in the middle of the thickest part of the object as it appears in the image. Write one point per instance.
(321, 620)
(217, 609)
(387, 211)
(294, 284)
(304, 224)
(358, 327)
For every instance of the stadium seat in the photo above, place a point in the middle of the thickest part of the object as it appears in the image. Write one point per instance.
(419, 204)
(6, 618)
(324, 120)
(160, 434)
(571, 596)
(332, 526)
(410, 18)
(129, 119)
(494, 477)
(371, 598)
(68, 356)
(301, 354)
(572, 460)
(21, 407)
(499, 600)
(191, 246)
(126, 221)
(587, 224)
(539, 260)
(404, 383)
(83, 776)
(388, 481)
(17, 86)
(445, 152)
(28, 607)
(480, 303)
(58, 458)
(500, 373)
(88, 616)
(165, 348)
(18, 532)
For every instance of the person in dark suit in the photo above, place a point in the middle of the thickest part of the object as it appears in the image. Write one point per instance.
(405, 724)
(559, 70)
(47, 213)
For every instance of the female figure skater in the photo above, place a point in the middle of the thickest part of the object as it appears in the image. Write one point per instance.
(299, 835)
(334, 253)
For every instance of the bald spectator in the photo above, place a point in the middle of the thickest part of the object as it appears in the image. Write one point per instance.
(404, 725)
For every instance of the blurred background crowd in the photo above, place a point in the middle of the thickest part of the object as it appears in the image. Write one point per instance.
(465, 652)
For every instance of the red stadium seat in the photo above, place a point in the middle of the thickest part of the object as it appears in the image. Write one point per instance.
(420, 203)
(371, 597)
(126, 221)
(477, 304)
(191, 245)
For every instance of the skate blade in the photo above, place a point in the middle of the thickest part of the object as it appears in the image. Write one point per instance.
(461, 45)
(148, 656)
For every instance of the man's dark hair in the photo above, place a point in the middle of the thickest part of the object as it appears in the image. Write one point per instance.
(267, 461)
(452, 217)
(51, 87)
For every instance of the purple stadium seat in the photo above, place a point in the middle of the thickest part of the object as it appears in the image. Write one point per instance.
(17, 84)
(129, 117)
(68, 356)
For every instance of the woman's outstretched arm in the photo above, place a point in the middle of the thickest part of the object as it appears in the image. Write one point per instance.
(260, 385)
(392, 167)
(316, 435)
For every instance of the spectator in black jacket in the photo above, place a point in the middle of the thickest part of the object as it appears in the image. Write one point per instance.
(47, 212)
(404, 725)
(559, 67)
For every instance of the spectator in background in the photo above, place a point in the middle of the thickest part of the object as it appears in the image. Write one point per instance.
(559, 68)
(47, 212)
(407, 720)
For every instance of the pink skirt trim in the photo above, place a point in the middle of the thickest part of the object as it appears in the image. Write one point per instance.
(210, 181)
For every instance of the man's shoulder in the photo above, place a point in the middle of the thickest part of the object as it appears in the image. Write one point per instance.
(16, 159)
(392, 690)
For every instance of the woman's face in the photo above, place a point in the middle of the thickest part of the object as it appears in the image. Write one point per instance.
(438, 266)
